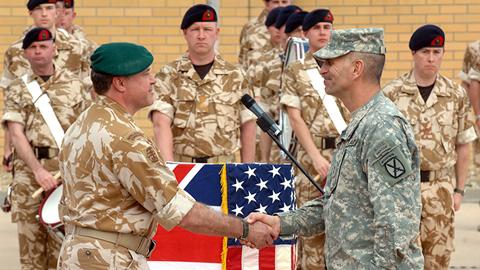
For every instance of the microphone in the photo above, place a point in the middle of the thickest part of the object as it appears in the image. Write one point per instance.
(264, 121)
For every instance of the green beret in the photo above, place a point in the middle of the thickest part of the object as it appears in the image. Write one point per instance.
(121, 59)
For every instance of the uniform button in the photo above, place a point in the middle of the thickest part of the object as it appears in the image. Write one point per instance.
(88, 253)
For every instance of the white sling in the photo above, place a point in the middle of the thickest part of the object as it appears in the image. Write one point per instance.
(328, 101)
(42, 102)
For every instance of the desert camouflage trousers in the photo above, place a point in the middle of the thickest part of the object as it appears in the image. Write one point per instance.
(38, 249)
(81, 252)
(310, 250)
(437, 221)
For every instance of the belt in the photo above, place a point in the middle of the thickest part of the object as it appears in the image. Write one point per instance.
(326, 142)
(200, 159)
(139, 244)
(427, 176)
(45, 152)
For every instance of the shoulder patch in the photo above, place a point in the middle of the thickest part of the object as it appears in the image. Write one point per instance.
(394, 167)
(152, 155)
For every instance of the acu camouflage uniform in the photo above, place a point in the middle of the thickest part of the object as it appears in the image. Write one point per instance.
(70, 55)
(439, 124)
(471, 71)
(253, 37)
(370, 212)
(68, 99)
(298, 93)
(206, 114)
(114, 181)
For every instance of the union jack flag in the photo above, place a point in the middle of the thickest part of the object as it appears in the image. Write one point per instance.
(236, 189)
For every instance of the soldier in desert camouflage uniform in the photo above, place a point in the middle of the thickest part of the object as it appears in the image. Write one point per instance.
(198, 116)
(69, 53)
(117, 187)
(313, 127)
(370, 211)
(254, 36)
(36, 151)
(439, 112)
(65, 21)
(470, 76)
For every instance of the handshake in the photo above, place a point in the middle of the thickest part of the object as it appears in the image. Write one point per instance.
(263, 229)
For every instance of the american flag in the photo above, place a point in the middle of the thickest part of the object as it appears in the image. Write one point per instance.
(237, 189)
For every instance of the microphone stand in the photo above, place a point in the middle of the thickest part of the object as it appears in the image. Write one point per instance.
(263, 124)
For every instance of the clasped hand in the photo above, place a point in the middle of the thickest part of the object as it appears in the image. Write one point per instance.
(263, 230)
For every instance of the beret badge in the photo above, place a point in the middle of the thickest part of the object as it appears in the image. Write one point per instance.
(437, 41)
(207, 15)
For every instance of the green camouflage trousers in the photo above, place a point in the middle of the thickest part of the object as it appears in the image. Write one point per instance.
(38, 250)
(310, 250)
(80, 252)
(437, 222)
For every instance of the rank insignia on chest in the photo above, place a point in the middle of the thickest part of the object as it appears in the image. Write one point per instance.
(152, 155)
(394, 167)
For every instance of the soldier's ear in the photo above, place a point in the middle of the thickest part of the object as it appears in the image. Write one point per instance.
(358, 68)
(119, 84)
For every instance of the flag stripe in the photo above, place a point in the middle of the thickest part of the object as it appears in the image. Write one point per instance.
(267, 259)
(184, 265)
(234, 258)
(249, 258)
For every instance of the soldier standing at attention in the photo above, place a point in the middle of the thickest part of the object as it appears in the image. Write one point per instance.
(116, 186)
(371, 208)
(36, 158)
(439, 112)
(313, 127)
(254, 35)
(65, 21)
(69, 53)
(198, 116)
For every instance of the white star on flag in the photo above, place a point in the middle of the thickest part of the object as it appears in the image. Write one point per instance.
(262, 184)
(274, 196)
(275, 171)
(250, 172)
(250, 197)
(285, 208)
(238, 185)
(262, 209)
(286, 183)
(238, 210)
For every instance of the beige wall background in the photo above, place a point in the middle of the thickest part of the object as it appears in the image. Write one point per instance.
(155, 24)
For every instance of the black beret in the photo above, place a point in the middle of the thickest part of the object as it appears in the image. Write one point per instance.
(198, 13)
(284, 14)
(294, 21)
(68, 3)
(316, 16)
(36, 34)
(121, 59)
(428, 35)
(272, 16)
(34, 3)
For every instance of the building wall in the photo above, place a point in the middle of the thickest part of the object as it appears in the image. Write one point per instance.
(155, 24)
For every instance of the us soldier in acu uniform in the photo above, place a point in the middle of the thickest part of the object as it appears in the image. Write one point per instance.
(116, 185)
(199, 116)
(254, 35)
(36, 150)
(313, 127)
(439, 112)
(370, 211)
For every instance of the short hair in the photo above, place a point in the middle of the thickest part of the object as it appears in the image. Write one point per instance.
(101, 82)
(374, 64)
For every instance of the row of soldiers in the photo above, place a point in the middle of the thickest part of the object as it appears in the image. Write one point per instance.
(198, 117)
